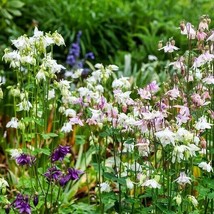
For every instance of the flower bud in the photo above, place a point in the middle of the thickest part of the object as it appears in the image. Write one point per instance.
(35, 200)
(7, 209)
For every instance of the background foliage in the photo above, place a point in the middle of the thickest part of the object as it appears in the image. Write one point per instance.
(110, 28)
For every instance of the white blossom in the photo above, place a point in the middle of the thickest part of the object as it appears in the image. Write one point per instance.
(13, 123)
(152, 183)
(205, 166)
(202, 124)
(166, 137)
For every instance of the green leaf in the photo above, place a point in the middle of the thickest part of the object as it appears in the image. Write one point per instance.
(49, 135)
(210, 195)
(15, 4)
(15, 12)
(80, 139)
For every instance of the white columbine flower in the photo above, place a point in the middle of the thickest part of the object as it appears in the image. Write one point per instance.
(25, 105)
(13, 123)
(51, 94)
(67, 127)
(205, 166)
(70, 113)
(166, 137)
(105, 187)
(15, 153)
(152, 183)
(178, 199)
(202, 124)
(193, 200)
(183, 179)
(3, 183)
(129, 183)
(184, 135)
(121, 83)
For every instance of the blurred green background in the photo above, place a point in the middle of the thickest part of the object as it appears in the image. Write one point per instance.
(111, 28)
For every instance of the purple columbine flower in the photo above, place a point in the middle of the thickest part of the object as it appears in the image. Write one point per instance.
(73, 174)
(24, 159)
(60, 152)
(22, 204)
(53, 174)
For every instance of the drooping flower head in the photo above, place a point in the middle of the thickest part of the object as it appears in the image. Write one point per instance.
(22, 204)
(60, 152)
(53, 174)
(72, 174)
(24, 159)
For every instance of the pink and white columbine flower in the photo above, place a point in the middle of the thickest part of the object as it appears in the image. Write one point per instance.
(203, 59)
(166, 137)
(205, 166)
(211, 37)
(173, 93)
(13, 123)
(169, 48)
(152, 87)
(208, 80)
(183, 179)
(202, 124)
(188, 30)
(183, 116)
(144, 94)
(152, 183)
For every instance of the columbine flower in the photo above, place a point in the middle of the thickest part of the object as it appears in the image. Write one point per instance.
(67, 127)
(178, 199)
(15, 153)
(208, 80)
(3, 183)
(169, 48)
(60, 152)
(183, 179)
(188, 30)
(202, 124)
(152, 183)
(73, 174)
(211, 37)
(13, 123)
(166, 137)
(51, 94)
(193, 200)
(53, 174)
(173, 93)
(58, 39)
(105, 187)
(22, 204)
(25, 105)
(122, 82)
(129, 183)
(24, 159)
(205, 166)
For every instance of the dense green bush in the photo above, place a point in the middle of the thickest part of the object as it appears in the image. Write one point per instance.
(112, 28)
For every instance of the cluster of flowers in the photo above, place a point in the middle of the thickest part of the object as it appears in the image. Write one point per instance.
(22, 204)
(54, 174)
(73, 59)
